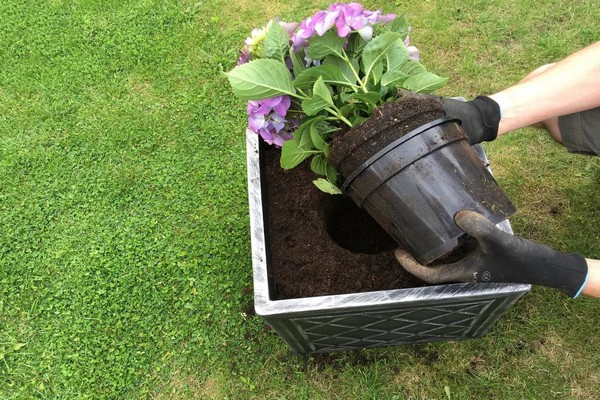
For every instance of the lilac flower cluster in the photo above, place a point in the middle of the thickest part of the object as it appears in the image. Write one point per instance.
(267, 118)
(413, 52)
(345, 17)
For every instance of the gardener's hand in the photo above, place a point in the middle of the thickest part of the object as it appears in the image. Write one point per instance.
(502, 257)
(480, 117)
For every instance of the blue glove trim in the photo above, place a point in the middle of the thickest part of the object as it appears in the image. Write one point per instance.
(587, 275)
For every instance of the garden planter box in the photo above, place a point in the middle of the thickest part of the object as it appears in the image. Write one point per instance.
(368, 319)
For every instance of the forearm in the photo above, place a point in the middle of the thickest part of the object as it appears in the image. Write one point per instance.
(571, 85)
(592, 286)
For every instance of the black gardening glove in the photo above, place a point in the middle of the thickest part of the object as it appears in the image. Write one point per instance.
(480, 117)
(502, 257)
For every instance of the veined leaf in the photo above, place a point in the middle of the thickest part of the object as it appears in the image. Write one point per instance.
(343, 67)
(412, 68)
(376, 74)
(292, 155)
(315, 136)
(302, 136)
(277, 43)
(355, 46)
(320, 99)
(357, 120)
(347, 109)
(261, 79)
(318, 164)
(320, 47)
(394, 78)
(377, 49)
(332, 174)
(297, 61)
(326, 186)
(396, 56)
(371, 98)
(400, 25)
(329, 73)
(424, 82)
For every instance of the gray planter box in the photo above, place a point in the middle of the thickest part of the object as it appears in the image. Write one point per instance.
(381, 318)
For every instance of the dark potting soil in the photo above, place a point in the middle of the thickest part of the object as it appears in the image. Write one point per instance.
(350, 148)
(324, 244)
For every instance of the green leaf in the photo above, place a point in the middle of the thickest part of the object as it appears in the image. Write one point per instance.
(277, 43)
(332, 174)
(371, 98)
(396, 56)
(393, 77)
(320, 47)
(318, 164)
(326, 186)
(399, 25)
(424, 82)
(376, 74)
(315, 136)
(357, 120)
(292, 155)
(302, 135)
(297, 62)
(377, 49)
(412, 68)
(321, 166)
(347, 109)
(356, 44)
(261, 79)
(343, 67)
(330, 74)
(320, 100)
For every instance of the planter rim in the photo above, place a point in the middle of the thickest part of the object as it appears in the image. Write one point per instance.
(458, 292)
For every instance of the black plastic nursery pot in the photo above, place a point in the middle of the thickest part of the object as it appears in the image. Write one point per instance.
(414, 186)
(356, 321)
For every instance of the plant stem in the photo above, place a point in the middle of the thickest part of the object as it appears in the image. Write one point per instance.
(338, 115)
(302, 95)
(362, 85)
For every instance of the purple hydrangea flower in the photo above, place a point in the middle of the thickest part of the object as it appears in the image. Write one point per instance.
(267, 118)
(413, 52)
(345, 17)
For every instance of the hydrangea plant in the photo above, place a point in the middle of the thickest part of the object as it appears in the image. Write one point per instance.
(305, 81)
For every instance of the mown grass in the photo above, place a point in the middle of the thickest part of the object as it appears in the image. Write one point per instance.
(124, 244)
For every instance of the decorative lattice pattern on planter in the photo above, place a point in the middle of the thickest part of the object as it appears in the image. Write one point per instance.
(384, 327)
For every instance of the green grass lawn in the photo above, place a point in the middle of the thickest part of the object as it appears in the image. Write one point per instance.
(124, 239)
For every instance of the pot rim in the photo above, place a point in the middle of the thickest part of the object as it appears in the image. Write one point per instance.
(371, 160)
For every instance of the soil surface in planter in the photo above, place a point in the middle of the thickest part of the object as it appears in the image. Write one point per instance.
(324, 244)
(350, 148)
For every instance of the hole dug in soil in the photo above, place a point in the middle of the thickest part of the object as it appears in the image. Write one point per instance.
(323, 244)
(353, 228)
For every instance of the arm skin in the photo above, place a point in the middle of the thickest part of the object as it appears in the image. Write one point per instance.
(592, 287)
(574, 81)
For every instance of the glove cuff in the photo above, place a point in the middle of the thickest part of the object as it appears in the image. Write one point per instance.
(567, 272)
(575, 275)
(490, 112)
